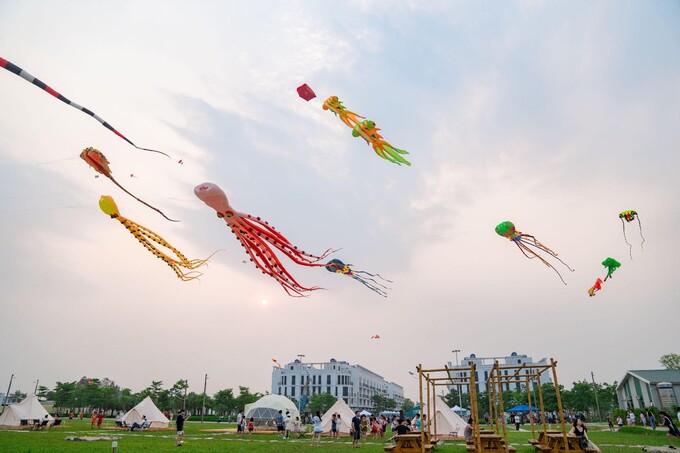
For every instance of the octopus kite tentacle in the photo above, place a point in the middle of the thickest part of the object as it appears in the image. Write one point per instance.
(14, 69)
(98, 161)
(524, 241)
(257, 237)
(147, 237)
(338, 267)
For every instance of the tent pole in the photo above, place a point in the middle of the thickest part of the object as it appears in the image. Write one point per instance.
(7, 394)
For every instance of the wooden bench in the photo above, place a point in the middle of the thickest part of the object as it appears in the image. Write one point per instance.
(390, 447)
(542, 447)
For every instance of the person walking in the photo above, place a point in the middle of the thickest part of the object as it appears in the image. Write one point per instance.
(517, 422)
(180, 427)
(279, 423)
(334, 427)
(239, 426)
(288, 426)
(94, 419)
(100, 419)
(643, 419)
(251, 427)
(318, 429)
(668, 423)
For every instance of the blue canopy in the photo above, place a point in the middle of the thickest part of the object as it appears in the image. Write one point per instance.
(522, 408)
(412, 413)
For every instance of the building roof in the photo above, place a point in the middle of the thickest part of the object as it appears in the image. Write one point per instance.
(653, 377)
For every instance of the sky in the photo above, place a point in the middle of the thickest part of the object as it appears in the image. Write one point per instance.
(554, 115)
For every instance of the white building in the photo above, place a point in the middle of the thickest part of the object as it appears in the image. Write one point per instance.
(353, 383)
(483, 366)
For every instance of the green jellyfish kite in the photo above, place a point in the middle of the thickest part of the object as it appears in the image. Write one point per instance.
(627, 217)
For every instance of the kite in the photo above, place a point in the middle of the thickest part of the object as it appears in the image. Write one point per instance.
(305, 92)
(596, 287)
(611, 264)
(348, 117)
(98, 161)
(11, 67)
(338, 267)
(521, 240)
(278, 365)
(367, 130)
(629, 216)
(256, 236)
(147, 237)
(375, 337)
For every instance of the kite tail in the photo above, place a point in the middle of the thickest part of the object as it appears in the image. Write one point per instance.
(630, 246)
(540, 246)
(14, 69)
(141, 201)
(643, 238)
(373, 275)
(522, 247)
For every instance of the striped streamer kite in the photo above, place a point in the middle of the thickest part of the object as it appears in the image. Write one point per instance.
(11, 67)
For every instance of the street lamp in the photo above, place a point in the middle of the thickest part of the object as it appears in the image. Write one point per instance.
(300, 357)
(460, 398)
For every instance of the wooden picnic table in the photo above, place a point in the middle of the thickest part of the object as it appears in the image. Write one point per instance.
(409, 443)
(556, 443)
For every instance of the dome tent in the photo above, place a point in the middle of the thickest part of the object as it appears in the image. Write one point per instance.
(264, 411)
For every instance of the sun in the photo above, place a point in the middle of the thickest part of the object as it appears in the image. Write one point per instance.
(264, 302)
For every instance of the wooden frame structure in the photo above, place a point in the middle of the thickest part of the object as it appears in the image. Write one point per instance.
(432, 378)
(521, 374)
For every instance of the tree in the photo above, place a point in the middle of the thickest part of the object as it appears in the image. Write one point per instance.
(245, 397)
(225, 402)
(177, 392)
(43, 392)
(65, 395)
(321, 402)
(407, 405)
(581, 397)
(670, 361)
(383, 403)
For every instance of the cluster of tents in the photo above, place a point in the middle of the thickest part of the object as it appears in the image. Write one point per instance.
(263, 412)
(31, 409)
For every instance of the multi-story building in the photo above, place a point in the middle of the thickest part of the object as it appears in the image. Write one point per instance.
(353, 383)
(483, 366)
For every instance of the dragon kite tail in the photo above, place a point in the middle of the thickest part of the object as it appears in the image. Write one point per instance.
(14, 69)
(395, 154)
(140, 200)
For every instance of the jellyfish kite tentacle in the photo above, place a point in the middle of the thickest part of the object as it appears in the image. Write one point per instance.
(14, 69)
(338, 267)
(100, 164)
(642, 247)
(534, 243)
(630, 246)
(627, 217)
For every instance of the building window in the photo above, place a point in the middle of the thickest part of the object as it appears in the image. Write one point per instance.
(292, 380)
(292, 391)
(328, 380)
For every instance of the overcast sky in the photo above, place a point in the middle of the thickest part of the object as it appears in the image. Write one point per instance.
(556, 116)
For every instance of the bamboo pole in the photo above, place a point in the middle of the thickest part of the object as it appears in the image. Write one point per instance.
(501, 409)
(542, 407)
(531, 417)
(433, 422)
(420, 382)
(475, 411)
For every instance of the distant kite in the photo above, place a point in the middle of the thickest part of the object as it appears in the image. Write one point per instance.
(521, 240)
(278, 365)
(611, 264)
(375, 337)
(596, 287)
(305, 92)
(629, 216)
(148, 239)
(98, 161)
(258, 237)
(338, 267)
(11, 67)
(366, 130)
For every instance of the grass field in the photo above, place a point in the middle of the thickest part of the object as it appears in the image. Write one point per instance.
(52, 441)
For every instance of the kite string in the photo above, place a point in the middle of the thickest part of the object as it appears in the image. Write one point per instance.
(643, 238)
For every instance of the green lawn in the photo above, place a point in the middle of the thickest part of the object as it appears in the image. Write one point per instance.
(12, 441)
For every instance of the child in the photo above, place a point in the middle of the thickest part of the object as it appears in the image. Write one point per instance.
(296, 426)
(251, 426)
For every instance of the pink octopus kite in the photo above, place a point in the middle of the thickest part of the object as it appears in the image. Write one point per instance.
(256, 236)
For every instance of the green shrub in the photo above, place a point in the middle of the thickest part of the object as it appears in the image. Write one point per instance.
(643, 431)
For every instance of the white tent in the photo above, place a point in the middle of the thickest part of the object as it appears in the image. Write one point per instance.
(29, 409)
(342, 409)
(148, 408)
(448, 422)
(265, 410)
(365, 412)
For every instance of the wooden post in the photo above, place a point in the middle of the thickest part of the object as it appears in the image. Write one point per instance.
(553, 365)
(501, 409)
(433, 422)
(420, 389)
(473, 402)
(531, 417)
(540, 398)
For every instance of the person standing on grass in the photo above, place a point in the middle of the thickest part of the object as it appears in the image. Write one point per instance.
(239, 419)
(643, 419)
(318, 429)
(619, 422)
(668, 423)
(334, 427)
(279, 423)
(609, 422)
(180, 427)
(652, 419)
(288, 426)
(251, 427)
(94, 419)
(100, 419)
(356, 430)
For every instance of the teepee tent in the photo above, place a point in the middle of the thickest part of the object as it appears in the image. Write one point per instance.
(448, 422)
(29, 409)
(148, 408)
(342, 409)
(265, 410)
